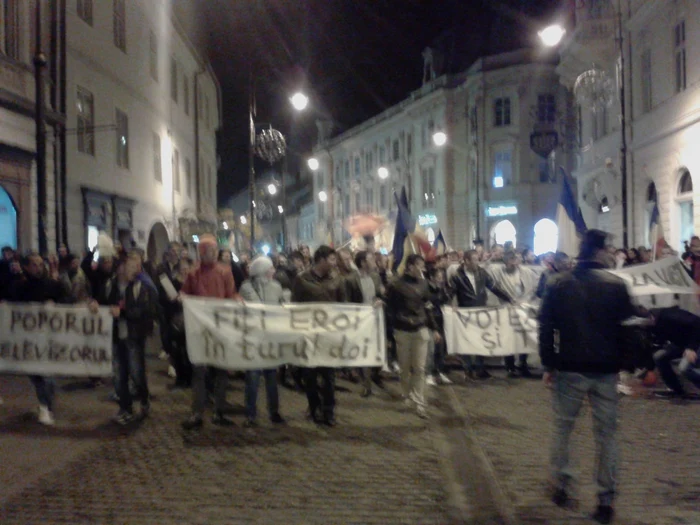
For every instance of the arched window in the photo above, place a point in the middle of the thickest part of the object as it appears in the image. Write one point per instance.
(503, 232)
(684, 203)
(546, 236)
(652, 199)
(8, 220)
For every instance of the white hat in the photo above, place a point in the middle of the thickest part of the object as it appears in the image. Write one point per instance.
(105, 245)
(260, 266)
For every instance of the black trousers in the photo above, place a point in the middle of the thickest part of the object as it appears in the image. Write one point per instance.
(320, 397)
(180, 360)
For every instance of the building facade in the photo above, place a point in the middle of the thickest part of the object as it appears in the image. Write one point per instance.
(144, 107)
(485, 182)
(131, 113)
(660, 77)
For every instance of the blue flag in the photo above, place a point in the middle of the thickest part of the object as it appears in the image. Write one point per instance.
(439, 244)
(569, 219)
(405, 224)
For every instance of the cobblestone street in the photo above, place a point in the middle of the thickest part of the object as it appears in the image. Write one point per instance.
(659, 478)
(378, 465)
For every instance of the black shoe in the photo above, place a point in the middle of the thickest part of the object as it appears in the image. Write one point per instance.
(378, 381)
(668, 394)
(277, 419)
(604, 514)
(314, 416)
(145, 410)
(366, 392)
(220, 420)
(525, 371)
(193, 422)
(560, 498)
(250, 423)
(513, 374)
(124, 418)
(483, 374)
(330, 421)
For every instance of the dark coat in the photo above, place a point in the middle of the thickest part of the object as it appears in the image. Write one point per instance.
(30, 290)
(586, 307)
(139, 311)
(310, 288)
(409, 304)
(469, 297)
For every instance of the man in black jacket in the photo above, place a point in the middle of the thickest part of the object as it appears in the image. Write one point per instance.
(586, 308)
(469, 285)
(410, 308)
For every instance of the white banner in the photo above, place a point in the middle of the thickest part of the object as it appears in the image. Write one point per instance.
(505, 330)
(236, 336)
(665, 276)
(52, 340)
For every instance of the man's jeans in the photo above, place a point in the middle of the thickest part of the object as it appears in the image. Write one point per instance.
(199, 389)
(570, 389)
(435, 360)
(664, 361)
(323, 397)
(252, 382)
(131, 363)
(412, 349)
(44, 387)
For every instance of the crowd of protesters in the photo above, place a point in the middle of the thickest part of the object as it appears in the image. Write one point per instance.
(571, 291)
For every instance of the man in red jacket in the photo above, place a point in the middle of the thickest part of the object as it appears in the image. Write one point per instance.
(209, 279)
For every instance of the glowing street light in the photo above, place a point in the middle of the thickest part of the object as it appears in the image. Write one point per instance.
(280, 209)
(313, 164)
(271, 189)
(439, 138)
(225, 226)
(322, 196)
(299, 101)
(552, 35)
(383, 172)
(266, 249)
(243, 219)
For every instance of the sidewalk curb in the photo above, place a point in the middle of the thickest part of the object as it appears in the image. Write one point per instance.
(488, 501)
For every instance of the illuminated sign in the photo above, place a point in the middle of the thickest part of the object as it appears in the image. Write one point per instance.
(501, 211)
(427, 219)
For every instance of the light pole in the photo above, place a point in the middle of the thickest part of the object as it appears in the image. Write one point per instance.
(39, 117)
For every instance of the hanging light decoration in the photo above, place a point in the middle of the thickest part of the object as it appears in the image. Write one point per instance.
(594, 90)
(270, 145)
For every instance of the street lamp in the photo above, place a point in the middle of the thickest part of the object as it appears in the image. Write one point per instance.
(313, 164)
(439, 138)
(225, 225)
(383, 173)
(299, 101)
(243, 219)
(271, 189)
(322, 196)
(280, 209)
(552, 35)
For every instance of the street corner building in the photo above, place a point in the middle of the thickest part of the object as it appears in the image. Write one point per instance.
(131, 111)
(506, 121)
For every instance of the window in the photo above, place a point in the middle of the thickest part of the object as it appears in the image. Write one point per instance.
(382, 197)
(154, 56)
(646, 80)
(320, 180)
(579, 125)
(122, 139)
(546, 108)
(157, 159)
(680, 56)
(382, 155)
(321, 210)
(86, 122)
(473, 123)
(188, 177)
(546, 236)
(501, 112)
(186, 94)
(395, 148)
(357, 166)
(120, 24)
(684, 199)
(176, 170)
(337, 172)
(346, 210)
(347, 170)
(409, 144)
(502, 168)
(173, 79)
(369, 199)
(428, 186)
(9, 29)
(84, 10)
(206, 111)
(368, 161)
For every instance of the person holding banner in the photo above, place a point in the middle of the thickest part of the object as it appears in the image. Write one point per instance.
(262, 288)
(36, 287)
(319, 285)
(209, 279)
(585, 308)
(409, 305)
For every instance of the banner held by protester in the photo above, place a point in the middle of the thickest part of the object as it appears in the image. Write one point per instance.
(49, 340)
(236, 336)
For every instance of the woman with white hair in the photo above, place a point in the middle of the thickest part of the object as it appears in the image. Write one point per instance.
(261, 287)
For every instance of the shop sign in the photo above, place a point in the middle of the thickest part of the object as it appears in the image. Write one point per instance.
(501, 211)
(427, 219)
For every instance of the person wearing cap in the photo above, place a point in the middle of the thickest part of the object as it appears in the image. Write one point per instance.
(209, 279)
(585, 308)
(262, 288)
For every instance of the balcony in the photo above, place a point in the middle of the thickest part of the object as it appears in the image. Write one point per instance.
(16, 80)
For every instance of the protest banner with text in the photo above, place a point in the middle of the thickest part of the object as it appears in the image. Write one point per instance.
(49, 340)
(237, 336)
(665, 276)
(488, 331)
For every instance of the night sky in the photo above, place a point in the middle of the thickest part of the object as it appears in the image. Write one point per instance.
(354, 58)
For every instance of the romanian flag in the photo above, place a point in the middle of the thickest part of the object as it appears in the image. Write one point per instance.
(656, 234)
(405, 225)
(569, 220)
(439, 245)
